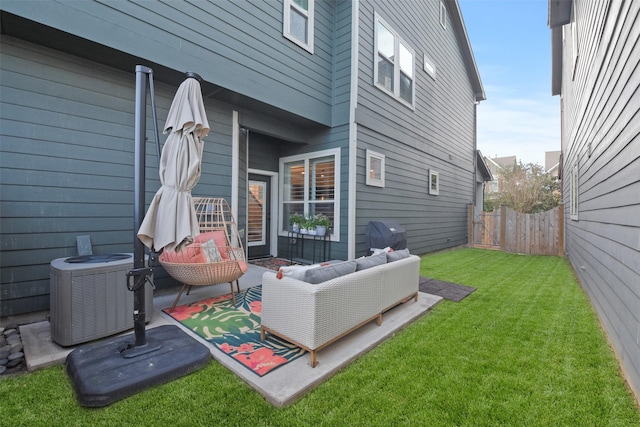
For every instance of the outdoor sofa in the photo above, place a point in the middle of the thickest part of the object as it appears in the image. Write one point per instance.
(313, 307)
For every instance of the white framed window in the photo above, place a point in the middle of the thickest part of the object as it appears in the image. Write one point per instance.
(573, 193)
(394, 68)
(375, 169)
(310, 185)
(298, 21)
(443, 15)
(429, 67)
(434, 182)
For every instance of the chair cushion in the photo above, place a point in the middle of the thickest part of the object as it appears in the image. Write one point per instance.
(371, 261)
(189, 254)
(397, 255)
(328, 272)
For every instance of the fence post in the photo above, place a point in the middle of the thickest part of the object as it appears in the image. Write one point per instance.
(503, 227)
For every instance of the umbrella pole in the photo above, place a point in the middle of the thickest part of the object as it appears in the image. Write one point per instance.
(140, 274)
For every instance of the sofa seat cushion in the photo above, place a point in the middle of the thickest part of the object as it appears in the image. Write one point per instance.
(328, 272)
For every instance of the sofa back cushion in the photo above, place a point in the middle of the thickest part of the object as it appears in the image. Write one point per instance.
(328, 272)
(396, 255)
(371, 261)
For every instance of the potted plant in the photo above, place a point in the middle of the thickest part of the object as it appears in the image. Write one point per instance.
(322, 222)
(308, 225)
(295, 219)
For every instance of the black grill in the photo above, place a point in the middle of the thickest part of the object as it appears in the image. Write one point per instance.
(381, 234)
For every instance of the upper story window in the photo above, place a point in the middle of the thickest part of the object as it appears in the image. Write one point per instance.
(394, 64)
(443, 15)
(375, 169)
(310, 185)
(298, 22)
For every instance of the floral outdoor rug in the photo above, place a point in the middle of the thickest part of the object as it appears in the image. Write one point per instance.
(236, 330)
(272, 263)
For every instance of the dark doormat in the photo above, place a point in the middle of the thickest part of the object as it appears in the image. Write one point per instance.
(447, 290)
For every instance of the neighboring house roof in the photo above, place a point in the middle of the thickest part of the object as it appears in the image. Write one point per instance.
(465, 46)
(501, 162)
(551, 161)
(483, 167)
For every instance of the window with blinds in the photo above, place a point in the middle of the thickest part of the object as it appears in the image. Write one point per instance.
(310, 185)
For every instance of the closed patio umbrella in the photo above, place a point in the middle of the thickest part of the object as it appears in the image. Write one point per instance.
(170, 221)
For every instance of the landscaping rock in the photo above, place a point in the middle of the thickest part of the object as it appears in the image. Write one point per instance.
(13, 339)
(12, 358)
(5, 351)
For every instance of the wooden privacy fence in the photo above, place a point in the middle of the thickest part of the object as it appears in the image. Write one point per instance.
(511, 231)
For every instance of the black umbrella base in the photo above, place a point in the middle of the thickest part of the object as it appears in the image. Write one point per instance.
(101, 374)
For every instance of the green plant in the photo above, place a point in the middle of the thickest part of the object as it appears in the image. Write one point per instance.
(323, 221)
(296, 218)
(308, 222)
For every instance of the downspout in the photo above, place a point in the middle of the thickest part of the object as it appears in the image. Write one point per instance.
(353, 134)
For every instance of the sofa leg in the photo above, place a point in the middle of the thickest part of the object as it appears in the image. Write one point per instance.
(379, 319)
(416, 297)
(262, 333)
(314, 362)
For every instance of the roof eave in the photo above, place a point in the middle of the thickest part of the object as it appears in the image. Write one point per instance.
(470, 61)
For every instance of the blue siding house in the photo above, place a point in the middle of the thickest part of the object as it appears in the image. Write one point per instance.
(595, 60)
(362, 110)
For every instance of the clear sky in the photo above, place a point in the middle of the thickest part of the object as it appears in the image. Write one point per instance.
(511, 42)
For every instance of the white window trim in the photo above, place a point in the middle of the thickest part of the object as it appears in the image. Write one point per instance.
(443, 15)
(396, 64)
(429, 66)
(434, 191)
(335, 236)
(286, 28)
(374, 181)
(573, 193)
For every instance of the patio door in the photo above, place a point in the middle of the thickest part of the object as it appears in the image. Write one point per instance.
(259, 218)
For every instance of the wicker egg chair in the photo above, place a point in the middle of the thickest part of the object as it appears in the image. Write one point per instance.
(192, 267)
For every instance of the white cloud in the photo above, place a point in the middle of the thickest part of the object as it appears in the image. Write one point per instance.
(522, 127)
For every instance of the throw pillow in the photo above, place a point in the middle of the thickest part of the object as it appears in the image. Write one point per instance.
(371, 261)
(381, 251)
(211, 249)
(295, 271)
(324, 273)
(219, 237)
(397, 255)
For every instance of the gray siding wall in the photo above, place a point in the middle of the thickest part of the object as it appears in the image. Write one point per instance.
(235, 44)
(66, 163)
(438, 134)
(601, 134)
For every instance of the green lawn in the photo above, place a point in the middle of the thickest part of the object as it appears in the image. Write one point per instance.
(524, 349)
